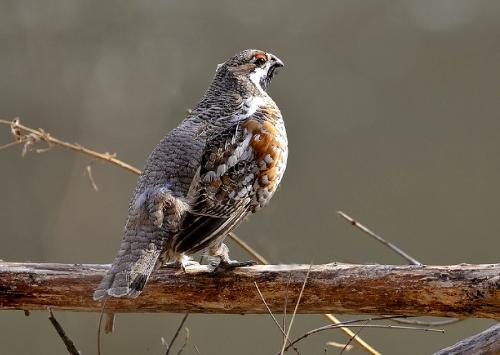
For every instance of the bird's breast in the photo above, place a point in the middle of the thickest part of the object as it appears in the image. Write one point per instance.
(270, 146)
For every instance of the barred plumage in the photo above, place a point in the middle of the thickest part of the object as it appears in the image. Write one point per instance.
(224, 161)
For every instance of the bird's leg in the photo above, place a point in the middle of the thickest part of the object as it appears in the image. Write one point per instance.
(157, 205)
(181, 262)
(220, 261)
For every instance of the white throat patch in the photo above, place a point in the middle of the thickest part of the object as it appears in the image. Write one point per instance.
(256, 77)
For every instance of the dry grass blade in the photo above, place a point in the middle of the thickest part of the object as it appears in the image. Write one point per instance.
(70, 346)
(186, 340)
(272, 315)
(340, 345)
(88, 173)
(181, 324)
(99, 326)
(295, 310)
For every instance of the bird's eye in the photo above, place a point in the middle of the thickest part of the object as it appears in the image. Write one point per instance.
(260, 59)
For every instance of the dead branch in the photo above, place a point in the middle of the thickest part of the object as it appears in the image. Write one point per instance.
(486, 342)
(29, 136)
(451, 291)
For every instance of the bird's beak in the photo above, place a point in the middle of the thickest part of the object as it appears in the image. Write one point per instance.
(276, 62)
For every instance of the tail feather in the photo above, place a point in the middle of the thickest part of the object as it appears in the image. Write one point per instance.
(131, 269)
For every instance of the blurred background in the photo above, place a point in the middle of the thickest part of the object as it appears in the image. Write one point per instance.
(392, 111)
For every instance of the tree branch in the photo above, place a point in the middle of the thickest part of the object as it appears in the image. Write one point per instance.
(486, 342)
(451, 291)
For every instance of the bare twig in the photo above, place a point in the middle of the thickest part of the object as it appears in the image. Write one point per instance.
(40, 134)
(438, 323)
(346, 347)
(406, 256)
(243, 245)
(351, 323)
(272, 315)
(379, 238)
(295, 310)
(62, 334)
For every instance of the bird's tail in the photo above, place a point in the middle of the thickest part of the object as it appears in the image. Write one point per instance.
(136, 260)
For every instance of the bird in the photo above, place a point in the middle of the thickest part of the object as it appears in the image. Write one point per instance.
(224, 161)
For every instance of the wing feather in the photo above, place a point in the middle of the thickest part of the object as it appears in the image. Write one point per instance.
(223, 190)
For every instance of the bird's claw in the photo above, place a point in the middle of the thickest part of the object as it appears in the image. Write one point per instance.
(223, 266)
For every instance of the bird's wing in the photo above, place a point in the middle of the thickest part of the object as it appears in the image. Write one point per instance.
(224, 190)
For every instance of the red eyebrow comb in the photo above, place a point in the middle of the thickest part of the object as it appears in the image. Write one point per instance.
(260, 55)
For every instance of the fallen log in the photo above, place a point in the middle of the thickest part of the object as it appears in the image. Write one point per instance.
(461, 291)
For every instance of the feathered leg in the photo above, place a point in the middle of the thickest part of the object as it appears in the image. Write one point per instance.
(152, 218)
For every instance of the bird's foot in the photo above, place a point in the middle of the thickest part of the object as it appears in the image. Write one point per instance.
(226, 265)
(181, 263)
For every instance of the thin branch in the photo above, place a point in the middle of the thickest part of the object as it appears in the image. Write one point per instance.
(70, 346)
(181, 324)
(379, 238)
(251, 251)
(272, 315)
(351, 334)
(295, 310)
(46, 137)
(346, 347)
(351, 323)
(438, 323)
(406, 256)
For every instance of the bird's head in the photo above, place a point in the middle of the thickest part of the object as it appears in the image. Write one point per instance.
(251, 67)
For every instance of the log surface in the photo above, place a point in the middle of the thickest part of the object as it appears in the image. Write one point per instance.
(452, 291)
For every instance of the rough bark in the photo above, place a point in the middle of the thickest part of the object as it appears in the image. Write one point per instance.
(486, 342)
(452, 291)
